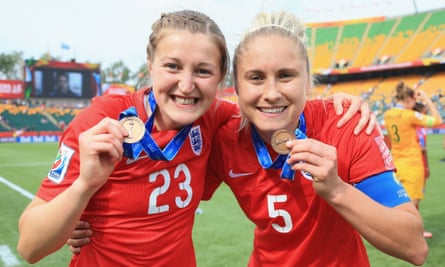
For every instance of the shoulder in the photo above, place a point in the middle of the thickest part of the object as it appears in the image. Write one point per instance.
(223, 105)
(315, 105)
(105, 106)
(220, 112)
(321, 118)
(230, 131)
(112, 105)
(110, 101)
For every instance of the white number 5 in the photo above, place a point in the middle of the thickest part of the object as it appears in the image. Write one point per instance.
(274, 213)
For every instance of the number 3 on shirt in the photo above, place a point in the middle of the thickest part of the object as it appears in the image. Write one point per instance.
(153, 207)
(395, 133)
(274, 213)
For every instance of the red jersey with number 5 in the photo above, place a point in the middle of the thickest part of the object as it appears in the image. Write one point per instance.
(294, 226)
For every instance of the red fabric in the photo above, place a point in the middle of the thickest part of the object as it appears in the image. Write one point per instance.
(294, 226)
(143, 215)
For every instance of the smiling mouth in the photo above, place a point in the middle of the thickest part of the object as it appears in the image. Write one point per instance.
(273, 110)
(185, 100)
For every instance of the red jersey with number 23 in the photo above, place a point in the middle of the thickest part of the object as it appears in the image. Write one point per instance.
(143, 215)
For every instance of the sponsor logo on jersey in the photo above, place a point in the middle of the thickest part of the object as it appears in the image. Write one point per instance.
(385, 153)
(61, 163)
(130, 161)
(233, 174)
(196, 140)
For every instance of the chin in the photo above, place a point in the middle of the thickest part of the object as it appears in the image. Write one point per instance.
(267, 128)
(270, 125)
(186, 119)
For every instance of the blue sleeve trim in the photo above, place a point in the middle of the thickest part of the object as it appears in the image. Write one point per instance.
(385, 189)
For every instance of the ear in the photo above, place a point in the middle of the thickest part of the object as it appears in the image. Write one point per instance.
(309, 85)
(149, 65)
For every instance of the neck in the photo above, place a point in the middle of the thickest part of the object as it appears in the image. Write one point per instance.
(160, 123)
(401, 104)
(266, 136)
(164, 124)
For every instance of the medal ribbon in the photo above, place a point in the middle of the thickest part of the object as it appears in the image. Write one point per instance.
(148, 144)
(263, 155)
(280, 161)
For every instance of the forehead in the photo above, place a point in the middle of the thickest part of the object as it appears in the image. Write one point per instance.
(183, 41)
(272, 50)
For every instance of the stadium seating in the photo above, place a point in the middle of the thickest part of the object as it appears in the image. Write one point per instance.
(34, 118)
(376, 41)
(325, 39)
(435, 85)
(348, 47)
(349, 42)
(430, 30)
(402, 34)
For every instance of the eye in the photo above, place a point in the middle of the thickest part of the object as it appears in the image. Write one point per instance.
(286, 75)
(171, 66)
(203, 72)
(255, 77)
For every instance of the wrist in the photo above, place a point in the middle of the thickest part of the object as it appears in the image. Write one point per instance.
(338, 195)
(83, 189)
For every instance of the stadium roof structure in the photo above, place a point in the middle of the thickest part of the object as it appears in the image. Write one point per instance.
(378, 43)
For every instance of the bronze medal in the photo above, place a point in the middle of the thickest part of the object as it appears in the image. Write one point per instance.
(279, 139)
(135, 128)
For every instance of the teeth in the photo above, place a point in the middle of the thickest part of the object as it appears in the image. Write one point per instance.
(184, 101)
(272, 110)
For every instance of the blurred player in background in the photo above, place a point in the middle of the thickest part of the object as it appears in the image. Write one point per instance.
(422, 139)
(401, 123)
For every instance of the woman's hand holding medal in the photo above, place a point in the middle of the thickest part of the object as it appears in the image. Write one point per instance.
(100, 148)
(313, 157)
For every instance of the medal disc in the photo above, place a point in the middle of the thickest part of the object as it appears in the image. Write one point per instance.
(135, 128)
(279, 139)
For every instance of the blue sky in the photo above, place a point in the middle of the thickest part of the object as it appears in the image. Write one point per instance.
(105, 31)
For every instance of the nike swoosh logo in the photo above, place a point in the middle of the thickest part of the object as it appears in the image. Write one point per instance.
(129, 161)
(236, 175)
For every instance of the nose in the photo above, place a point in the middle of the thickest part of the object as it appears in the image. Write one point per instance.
(186, 83)
(271, 91)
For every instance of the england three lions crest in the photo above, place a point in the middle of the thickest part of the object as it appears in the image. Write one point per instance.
(196, 140)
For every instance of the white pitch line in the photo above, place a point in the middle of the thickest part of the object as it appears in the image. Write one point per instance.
(16, 188)
(7, 257)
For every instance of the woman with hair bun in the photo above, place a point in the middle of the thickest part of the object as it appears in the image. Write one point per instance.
(402, 122)
(312, 190)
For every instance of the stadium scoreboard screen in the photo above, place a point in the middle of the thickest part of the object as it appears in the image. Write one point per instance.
(57, 79)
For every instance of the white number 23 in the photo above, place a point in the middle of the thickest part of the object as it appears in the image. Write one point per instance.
(153, 206)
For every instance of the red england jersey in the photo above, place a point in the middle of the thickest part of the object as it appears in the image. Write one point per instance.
(294, 226)
(143, 215)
